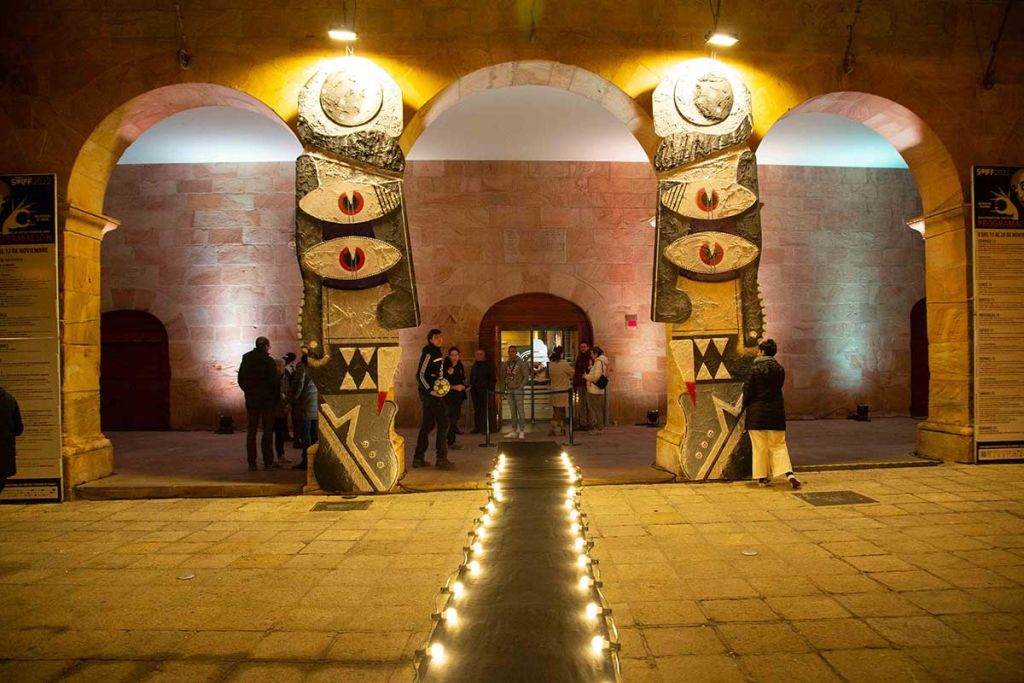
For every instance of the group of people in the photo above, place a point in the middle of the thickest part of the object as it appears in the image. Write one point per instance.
(442, 401)
(277, 389)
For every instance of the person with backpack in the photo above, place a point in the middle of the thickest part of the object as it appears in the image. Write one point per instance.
(597, 381)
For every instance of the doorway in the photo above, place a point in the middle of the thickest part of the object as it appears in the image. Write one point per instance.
(535, 323)
(135, 372)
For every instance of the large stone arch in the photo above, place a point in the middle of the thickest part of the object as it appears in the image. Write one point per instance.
(948, 431)
(537, 72)
(87, 453)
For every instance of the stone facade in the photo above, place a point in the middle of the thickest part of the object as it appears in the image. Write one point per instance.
(196, 240)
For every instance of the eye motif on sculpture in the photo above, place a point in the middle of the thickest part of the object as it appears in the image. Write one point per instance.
(708, 190)
(711, 253)
(349, 203)
(351, 258)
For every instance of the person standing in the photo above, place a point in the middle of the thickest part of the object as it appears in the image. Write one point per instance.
(560, 374)
(305, 406)
(597, 381)
(284, 408)
(289, 373)
(482, 379)
(435, 413)
(257, 377)
(455, 372)
(11, 427)
(766, 416)
(584, 420)
(513, 384)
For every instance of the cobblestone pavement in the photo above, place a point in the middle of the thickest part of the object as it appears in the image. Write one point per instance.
(925, 584)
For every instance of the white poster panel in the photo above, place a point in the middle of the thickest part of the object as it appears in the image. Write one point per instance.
(29, 341)
(997, 195)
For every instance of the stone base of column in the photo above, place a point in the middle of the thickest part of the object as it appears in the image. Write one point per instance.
(666, 454)
(946, 442)
(86, 460)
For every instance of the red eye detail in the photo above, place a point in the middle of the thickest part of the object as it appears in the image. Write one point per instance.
(709, 256)
(350, 206)
(352, 262)
(705, 202)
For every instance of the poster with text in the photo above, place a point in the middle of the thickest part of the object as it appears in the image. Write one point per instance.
(29, 341)
(997, 197)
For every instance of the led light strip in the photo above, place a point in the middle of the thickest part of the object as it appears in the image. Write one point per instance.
(605, 642)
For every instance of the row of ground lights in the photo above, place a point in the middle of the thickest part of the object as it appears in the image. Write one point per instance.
(604, 643)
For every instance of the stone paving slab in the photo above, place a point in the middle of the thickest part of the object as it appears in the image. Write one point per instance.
(925, 585)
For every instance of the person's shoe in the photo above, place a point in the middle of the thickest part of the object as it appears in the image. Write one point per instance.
(444, 464)
(419, 462)
(793, 481)
(510, 435)
(455, 447)
(764, 482)
(522, 435)
(252, 467)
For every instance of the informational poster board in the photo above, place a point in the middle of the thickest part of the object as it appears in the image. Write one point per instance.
(29, 342)
(997, 198)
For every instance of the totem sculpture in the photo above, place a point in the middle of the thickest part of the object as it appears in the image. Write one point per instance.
(352, 241)
(707, 252)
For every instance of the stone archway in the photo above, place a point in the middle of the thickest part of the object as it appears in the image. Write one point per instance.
(538, 72)
(948, 432)
(87, 453)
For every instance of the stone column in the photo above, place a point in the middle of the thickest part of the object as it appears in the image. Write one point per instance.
(948, 433)
(86, 452)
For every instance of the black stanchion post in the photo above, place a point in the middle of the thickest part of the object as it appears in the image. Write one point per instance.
(487, 417)
(571, 409)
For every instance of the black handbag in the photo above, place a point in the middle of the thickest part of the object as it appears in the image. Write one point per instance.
(601, 382)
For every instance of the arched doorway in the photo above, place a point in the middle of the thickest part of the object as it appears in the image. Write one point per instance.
(535, 323)
(135, 372)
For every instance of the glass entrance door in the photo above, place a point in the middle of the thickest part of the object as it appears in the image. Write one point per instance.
(534, 344)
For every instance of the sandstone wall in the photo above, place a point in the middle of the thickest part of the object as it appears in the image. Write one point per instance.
(208, 249)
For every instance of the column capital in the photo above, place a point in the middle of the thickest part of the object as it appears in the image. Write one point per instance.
(86, 223)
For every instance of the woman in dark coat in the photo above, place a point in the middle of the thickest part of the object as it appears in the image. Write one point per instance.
(766, 416)
(455, 372)
(10, 428)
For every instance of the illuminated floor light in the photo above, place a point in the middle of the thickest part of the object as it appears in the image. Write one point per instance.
(474, 567)
(451, 616)
(491, 507)
(592, 610)
(478, 548)
(437, 653)
(574, 514)
(486, 519)
(582, 560)
(458, 589)
(585, 582)
(597, 644)
(574, 527)
(571, 492)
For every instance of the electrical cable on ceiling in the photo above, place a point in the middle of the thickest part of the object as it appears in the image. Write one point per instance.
(849, 59)
(988, 81)
(184, 54)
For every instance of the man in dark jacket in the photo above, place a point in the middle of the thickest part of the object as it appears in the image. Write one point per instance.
(10, 428)
(766, 416)
(481, 379)
(435, 413)
(584, 418)
(257, 376)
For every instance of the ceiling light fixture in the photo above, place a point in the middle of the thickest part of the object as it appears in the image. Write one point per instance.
(346, 31)
(714, 37)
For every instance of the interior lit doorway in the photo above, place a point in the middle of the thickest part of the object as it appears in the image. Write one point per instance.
(534, 345)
